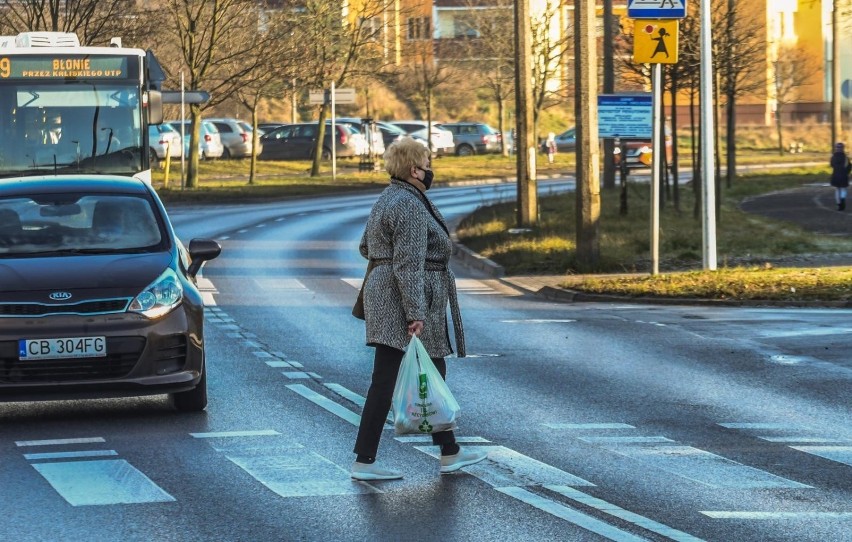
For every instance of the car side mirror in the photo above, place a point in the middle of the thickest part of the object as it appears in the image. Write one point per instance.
(200, 251)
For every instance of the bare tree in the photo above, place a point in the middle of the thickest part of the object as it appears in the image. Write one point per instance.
(94, 21)
(490, 55)
(792, 70)
(552, 44)
(740, 61)
(271, 67)
(216, 38)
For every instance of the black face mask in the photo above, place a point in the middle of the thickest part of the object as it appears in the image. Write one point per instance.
(428, 176)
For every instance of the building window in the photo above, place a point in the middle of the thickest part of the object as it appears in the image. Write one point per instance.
(419, 28)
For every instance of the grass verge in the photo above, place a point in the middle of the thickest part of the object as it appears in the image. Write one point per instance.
(744, 241)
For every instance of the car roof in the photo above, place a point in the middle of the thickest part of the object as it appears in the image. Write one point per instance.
(55, 184)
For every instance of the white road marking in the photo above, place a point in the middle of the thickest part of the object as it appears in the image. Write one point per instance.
(804, 332)
(258, 353)
(631, 517)
(101, 482)
(242, 231)
(505, 467)
(326, 403)
(60, 441)
(70, 455)
(571, 515)
(354, 397)
(277, 364)
(588, 426)
(539, 321)
(802, 439)
(236, 434)
(281, 284)
(722, 514)
(428, 439)
(625, 440)
(299, 375)
(748, 425)
(299, 473)
(841, 454)
(704, 467)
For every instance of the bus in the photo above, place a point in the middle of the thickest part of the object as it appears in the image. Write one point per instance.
(72, 109)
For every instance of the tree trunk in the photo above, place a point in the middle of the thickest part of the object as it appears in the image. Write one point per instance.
(675, 173)
(315, 167)
(254, 143)
(731, 138)
(778, 129)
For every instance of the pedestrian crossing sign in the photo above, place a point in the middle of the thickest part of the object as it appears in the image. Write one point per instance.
(655, 42)
(656, 9)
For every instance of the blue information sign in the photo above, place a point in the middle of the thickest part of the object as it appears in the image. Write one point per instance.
(626, 116)
(656, 9)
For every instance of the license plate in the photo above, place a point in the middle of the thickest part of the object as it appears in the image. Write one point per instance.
(71, 347)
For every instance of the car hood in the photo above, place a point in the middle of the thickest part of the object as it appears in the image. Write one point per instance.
(82, 272)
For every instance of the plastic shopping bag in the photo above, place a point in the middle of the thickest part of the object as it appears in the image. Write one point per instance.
(422, 402)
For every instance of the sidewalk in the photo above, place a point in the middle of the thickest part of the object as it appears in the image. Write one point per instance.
(811, 207)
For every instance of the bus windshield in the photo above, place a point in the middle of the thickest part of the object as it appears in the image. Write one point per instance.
(70, 126)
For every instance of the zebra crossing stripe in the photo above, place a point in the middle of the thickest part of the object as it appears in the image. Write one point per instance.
(59, 441)
(70, 455)
(326, 403)
(101, 482)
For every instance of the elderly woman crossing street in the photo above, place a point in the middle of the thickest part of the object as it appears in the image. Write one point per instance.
(406, 293)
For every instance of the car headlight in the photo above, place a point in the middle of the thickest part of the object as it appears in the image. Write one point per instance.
(160, 297)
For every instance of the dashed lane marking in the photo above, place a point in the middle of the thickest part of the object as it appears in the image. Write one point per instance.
(571, 515)
(326, 403)
(620, 513)
(588, 426)
(231, 434)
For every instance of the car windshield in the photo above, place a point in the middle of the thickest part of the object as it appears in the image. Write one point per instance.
(60, 224)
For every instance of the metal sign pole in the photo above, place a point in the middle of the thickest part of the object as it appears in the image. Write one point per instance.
(708, 200)
(657, 77)
(333, 137)
(182, 133)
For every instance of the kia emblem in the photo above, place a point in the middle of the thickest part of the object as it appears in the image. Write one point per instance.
(60, 296)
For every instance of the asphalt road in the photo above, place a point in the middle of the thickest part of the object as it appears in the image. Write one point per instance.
(603, 421)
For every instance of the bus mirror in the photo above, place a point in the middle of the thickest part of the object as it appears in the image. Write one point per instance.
(155, 107)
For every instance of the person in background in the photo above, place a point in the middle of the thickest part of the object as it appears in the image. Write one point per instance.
(551, 147)
(406, 293)
(840, 168)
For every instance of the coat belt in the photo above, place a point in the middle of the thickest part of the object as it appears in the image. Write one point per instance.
(455, 312)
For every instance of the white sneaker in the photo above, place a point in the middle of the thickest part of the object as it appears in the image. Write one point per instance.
(452, 463)
(365, 472)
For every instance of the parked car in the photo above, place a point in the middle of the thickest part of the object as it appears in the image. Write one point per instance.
(98, 296)
(211, 142)
(236, 136)
(474, 138)
(443, 141)
(163, 139)
(266, 127)
(297, 142)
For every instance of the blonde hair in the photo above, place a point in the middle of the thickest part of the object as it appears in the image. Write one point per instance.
(402, 155)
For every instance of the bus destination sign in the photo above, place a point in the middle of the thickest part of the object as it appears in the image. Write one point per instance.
(63, 67)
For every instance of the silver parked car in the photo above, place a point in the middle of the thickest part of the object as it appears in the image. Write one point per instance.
(236, 136)
(442, 139)
(211, 142)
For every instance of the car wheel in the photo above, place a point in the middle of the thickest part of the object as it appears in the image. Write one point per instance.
(326, 153)
(194, 400)
(153, 159)
(464, 150)
(226, 154)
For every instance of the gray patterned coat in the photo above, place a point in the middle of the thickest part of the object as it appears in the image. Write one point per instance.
(412, 280)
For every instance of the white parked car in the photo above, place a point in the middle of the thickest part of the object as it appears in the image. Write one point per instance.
(211, 141)
(163, 139)
(442, 140)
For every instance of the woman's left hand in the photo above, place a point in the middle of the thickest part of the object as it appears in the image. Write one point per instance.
(415, 327)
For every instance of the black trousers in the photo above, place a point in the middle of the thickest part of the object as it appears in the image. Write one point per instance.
(378, 403)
